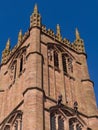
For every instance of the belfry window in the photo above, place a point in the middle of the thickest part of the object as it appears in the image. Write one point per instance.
(13, 70)
(21, 64)
(16, 125)
(70, 66)
(78, 127)
(71, 126)
(56, 60)
(60, 123)
(57, 122)
(7, 127)
(64, 63)
(53, 122)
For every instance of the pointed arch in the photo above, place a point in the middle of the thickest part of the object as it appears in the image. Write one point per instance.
(62, 116)
(12, 120)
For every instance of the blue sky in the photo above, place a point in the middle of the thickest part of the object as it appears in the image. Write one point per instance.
(83, 14)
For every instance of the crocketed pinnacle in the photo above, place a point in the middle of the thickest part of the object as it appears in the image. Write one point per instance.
(58, 33)
(20, 36)
(6, 51)
(35, 9)
(7, 45)
(35, 19)
(77, 34)
(79, 43)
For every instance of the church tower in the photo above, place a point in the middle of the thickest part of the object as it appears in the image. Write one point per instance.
(45, 83)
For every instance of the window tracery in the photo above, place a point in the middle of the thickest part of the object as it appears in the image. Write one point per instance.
(13, 70)
(70, 66)
(17, 65)
(63, 119)
(14, 122)
(57, 122)
(64, 63)
(53, 122)
(56, 59)
(58, 56)
(74, 124)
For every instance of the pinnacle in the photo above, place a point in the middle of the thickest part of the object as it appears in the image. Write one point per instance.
(35, 9)
(20, 33)
(77, 34)
(20, 36)
(58, 30)
(8, 44)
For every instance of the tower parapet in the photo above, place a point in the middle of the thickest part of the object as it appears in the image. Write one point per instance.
(35, 21)
(77, 45)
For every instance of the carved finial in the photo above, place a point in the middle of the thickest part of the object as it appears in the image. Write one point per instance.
(79, 43)
(6, 51)
(20, 36)
(75, 106)
(59, 100)
(7, 45)
(58, 32)
(77, 34)
(35, 9)
(35, 19)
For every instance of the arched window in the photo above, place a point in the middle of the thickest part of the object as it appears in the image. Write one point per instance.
(13, 70)
(21, 64)
(14, 122)
(56, 59)
(16, 125)
(78, 127)
(53, 122)
(7, 127)
(57, 122)
(60, 123)
(70, 66)
(64, 63)
(71, 125)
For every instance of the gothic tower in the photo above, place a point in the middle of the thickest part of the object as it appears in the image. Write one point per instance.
(45, 83)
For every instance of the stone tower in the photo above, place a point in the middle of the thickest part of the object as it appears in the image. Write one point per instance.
(45, 83)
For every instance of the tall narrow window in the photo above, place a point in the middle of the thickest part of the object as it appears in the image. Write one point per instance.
(71, 126)
(7, 127)
(53, 122)
(21, 64)
(15, 70)
(64, 64)
(56, 60)
(16, 125)
(78, 127)
(70, 66)
(60, 124)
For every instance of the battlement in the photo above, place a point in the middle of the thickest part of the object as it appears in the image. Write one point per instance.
(35, 21)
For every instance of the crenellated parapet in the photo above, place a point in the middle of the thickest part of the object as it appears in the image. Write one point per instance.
(35, 21)
(8, 52)
(77, 45)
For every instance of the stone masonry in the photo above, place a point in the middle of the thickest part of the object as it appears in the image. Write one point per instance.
(45, 83)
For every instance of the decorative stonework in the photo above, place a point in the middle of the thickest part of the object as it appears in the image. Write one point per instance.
(46, 77)
(35, 21)
(77, 45)
(6, 51)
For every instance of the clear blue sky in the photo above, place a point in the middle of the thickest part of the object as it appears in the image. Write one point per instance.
(15, 15)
